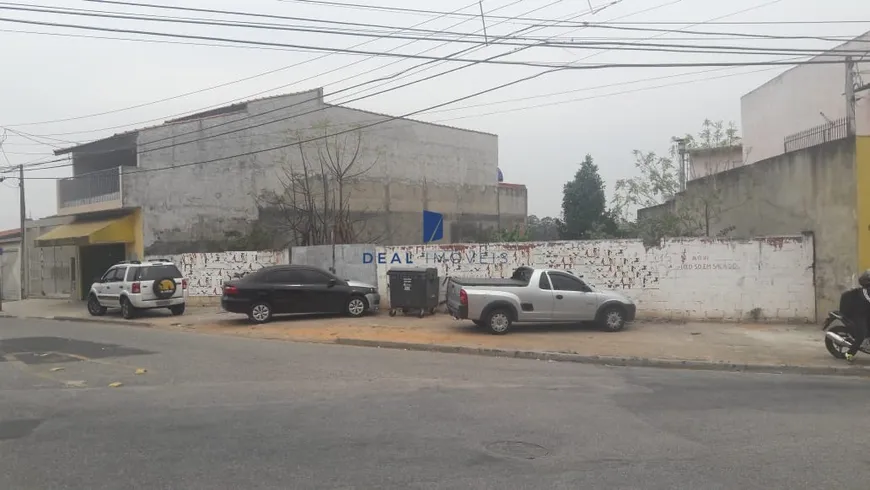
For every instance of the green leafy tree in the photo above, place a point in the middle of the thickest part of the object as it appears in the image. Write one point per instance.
(658, 181)
(543, 229)
(515, 234)
(584, 205)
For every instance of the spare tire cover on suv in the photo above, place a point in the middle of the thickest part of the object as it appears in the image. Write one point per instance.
(164, 287)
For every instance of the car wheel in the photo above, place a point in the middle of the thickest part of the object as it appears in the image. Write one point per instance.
(356, 306)
(128, 311)
(177, 310)
(499, 321)
(612, 319)
(94, 306)
(260, 312)
(478, 323)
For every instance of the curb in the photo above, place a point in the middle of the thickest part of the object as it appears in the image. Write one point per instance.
(614, 361)
(59, 318)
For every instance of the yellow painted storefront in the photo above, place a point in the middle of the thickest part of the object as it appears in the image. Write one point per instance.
(99, 244)
(862, 206)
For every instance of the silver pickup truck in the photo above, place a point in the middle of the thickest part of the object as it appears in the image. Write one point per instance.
(536, 295)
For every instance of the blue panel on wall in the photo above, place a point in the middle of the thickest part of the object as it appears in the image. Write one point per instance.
(433, 226)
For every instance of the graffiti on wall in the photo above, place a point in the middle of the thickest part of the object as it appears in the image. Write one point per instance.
(687, 278)
(612, 264)
(206, 272)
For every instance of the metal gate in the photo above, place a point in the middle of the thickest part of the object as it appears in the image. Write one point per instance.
(10, 273)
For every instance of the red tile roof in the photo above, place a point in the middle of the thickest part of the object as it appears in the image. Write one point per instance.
(13, 233)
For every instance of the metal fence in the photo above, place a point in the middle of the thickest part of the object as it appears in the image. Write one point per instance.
(89, 189)
(835, 130)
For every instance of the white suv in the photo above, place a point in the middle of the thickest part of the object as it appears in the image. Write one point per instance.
(135, 285)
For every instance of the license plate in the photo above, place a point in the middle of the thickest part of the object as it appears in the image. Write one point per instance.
(163, 303)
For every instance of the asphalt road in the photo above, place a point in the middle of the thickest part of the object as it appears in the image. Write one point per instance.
(214, 412)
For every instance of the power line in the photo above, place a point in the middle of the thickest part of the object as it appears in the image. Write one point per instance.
(313, 99)
(571, 67)
(358, 6)
(567, 45)
(535, 106)
(338, 133)
(224, 84)
(390, 118)
(283, 108)
(282, 17)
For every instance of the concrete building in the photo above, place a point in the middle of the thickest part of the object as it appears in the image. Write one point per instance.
(806, 102)
(221, 178)
(708, 161)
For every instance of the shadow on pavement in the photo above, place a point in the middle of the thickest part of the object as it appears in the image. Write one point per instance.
(43, 350)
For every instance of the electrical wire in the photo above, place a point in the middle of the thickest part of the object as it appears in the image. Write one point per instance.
(284, 68)
(741, 64)
(602, 25)
(312, 99)
(358, 128)
(572, 67)
(402, 10)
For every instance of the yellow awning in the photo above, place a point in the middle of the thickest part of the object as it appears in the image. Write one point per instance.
(118, 230)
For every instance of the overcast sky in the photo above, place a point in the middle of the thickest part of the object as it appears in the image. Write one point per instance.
(607, 113)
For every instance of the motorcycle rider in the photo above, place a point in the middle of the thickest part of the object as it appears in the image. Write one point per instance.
(855, 305)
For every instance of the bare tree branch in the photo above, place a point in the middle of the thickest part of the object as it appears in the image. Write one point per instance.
(314, 201)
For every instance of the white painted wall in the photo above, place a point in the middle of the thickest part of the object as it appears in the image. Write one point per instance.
(206, 272)
(792, 102)
(691, 278)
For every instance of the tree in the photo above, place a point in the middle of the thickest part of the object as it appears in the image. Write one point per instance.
(658, 182)
(313, 200)
(584, 205)
(543, 229)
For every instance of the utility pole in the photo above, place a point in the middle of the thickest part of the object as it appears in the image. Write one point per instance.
(850, 96)
(23, 247)
(681, 149)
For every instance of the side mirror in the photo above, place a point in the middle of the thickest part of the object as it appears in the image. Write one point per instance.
(331, 283)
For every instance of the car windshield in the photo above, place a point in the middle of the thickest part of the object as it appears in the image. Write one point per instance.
(154, 272)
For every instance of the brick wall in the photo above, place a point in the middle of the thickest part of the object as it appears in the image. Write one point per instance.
(687, 278)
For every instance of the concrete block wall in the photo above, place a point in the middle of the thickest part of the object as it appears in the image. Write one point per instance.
(206, 272)
(685, 278)
(346, 260)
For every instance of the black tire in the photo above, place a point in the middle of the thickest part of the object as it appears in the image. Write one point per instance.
(392, 312)
(499, 321)
(356, 306)
(94, 306)
(177, 310)
(128, 311)
(260, 312)
(612, 319)
(834, 349)
(478, 323)
(162, 289)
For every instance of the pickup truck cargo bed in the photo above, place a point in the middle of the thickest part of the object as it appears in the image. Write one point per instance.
(486, 281)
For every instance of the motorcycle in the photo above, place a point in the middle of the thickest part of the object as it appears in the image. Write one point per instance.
(838, 338)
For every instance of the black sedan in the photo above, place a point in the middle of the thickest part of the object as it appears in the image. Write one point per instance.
(294, 289)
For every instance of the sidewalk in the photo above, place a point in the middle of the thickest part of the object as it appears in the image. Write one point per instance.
(62, 309)
(725, 346)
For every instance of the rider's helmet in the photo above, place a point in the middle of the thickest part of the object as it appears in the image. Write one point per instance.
(864, 279)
